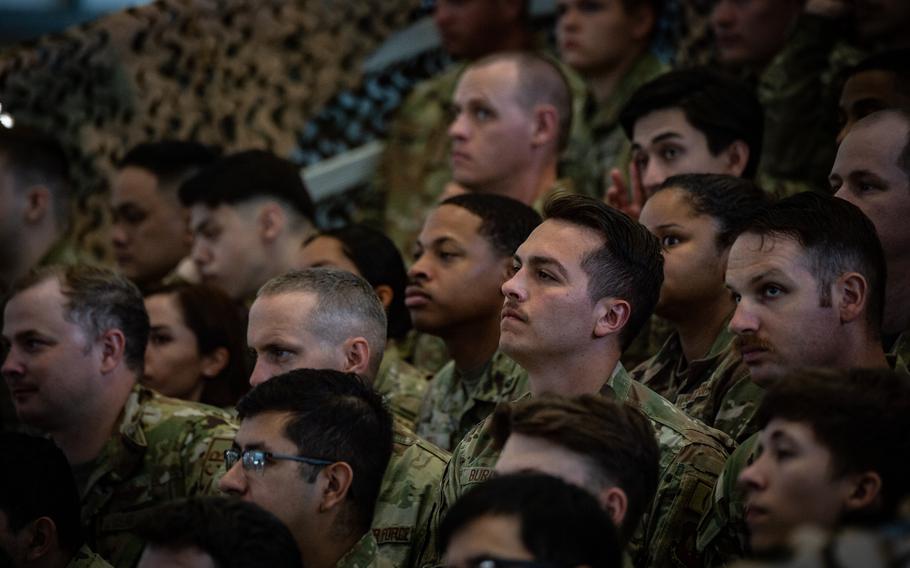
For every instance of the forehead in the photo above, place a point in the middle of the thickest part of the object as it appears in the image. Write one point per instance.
(453, 222)
(160, 305)
(752, 255)
(494, 82)
(873, 146)
(799, 432)
(488, 535)
(565, 242)
(38, 308)
(264, 429)
(223, 214)
(133, 183)
(664, 121)
(286, 314)
(874, 84)
(666, 206)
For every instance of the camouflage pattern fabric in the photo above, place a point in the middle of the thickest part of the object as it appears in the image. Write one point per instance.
(453, 405)
(692, 455)
(899, 354)
(715, 389)
(401, 385)
(364, 554)
(598, 143)
(406, 496)
(85, 558)
(163, 449)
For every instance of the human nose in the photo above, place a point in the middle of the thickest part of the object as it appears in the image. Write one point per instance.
(752, 478)
(652, 176)
(514, 288)
(233, 482)
(744, 320)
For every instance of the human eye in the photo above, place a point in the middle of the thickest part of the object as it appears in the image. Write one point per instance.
(545, 276)
(447, 254)
(279, 354)
(33, 344)
(670, 153)
(514, 267)
(736, 297)
(771, 291)
(160, 337)
(590, 6)
(482, 113)
(669, 241)
(416, 253)
(641, 159)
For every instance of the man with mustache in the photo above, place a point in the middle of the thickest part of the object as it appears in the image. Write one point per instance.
(583, 284)
(462, 257)
(808, 278)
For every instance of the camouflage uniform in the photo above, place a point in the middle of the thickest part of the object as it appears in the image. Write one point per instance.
(401, 385)
(85, 558)
(899, 354)
(715, 389)
(406, 495)
(163, 449)
(598, 143)
(800, 123)
(691, 457)
(364, 554)
(453, 405)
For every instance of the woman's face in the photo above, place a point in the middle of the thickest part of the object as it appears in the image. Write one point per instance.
(173, 364)
(693, 265)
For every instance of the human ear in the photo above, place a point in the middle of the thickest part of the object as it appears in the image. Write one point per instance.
(612, 316)
(615, 502)
(386, 295)
(42, 538)
(546, 125)
(850, 296)
(357, 356)
(113, 349)
(37, 203)
(271, 221)
(215, 362)
(866, 491)
(338, 478)
(736, 158)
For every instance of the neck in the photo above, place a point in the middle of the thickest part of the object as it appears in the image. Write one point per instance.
(575, 373)
(325, 552)
(603, 81)
(897, 298)
(862, 353)
(84, 435)
(698, 333)
(528, 184)
(472, 345)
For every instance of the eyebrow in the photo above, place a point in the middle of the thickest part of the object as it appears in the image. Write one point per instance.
(768, 274)
(669, 226)
(539, 261)
(658, 138)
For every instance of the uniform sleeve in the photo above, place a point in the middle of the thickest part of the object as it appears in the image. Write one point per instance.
(209, 437)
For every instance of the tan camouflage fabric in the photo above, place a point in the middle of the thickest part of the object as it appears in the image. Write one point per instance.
(715, 389)
(598, 143)
(85, 558)
(406, 496)
(692, 455)
(364, 554)
(899, 354)
(401, 385)
(163, 449)
(454, 404)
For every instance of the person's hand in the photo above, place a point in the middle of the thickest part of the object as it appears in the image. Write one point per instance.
(617, 195)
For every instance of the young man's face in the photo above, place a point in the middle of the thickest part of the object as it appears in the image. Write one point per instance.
(791, 483)
(150, 231)
(456, 276)
(227, 248)
(491, 132)
(594, 35)
(547, 310)
(280, 488)
(280, 333)
(866, 173)
(867, 92)
(779, 320)
(665, 144)
(693, 265)
(489, 536)
(53, 369)
(753, 31)
(326, 252)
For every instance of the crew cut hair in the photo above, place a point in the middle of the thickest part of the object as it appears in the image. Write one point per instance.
(837, 238)
(629, 265)
(36, 158)
(171, 161)
(616, 440)
(346, 306)
(504, 222)
(337, 417)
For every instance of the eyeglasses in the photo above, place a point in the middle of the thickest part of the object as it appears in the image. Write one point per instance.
(255, 460)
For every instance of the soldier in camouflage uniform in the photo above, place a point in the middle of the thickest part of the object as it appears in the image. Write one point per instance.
(798, 327)
(327, 318)
(607, 44)
(338, 430)
(871, 153)
(696, 217)
(77, 340)
(810, 419)
(463, 255)
(371, 255)
(565, 322)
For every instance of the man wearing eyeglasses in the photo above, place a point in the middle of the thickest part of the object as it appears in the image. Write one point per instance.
(312, 449)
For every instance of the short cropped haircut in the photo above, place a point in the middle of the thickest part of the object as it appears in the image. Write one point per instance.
(216, 321)
(249, 175)
(617, 440)
(38, 482)
(724, 109)
(895, 62)
(234, 533)
(628, 266)
(560, 524)
(346, 306)
(335, 416)
(98, 300)
(729, 200)
(171, 161)
(903, 115)
(540, 81)
(861, 415)
(504, 222)
(837, 237)
(379, 262)
(36, 158)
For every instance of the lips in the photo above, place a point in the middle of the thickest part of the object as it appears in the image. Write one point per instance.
(456, 157)
(513, 314)
(755, 514)
(416, 297)
(22, 391)
(752, 349)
